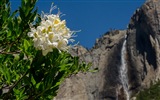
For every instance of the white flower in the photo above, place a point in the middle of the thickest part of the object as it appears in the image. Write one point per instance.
(51, 33)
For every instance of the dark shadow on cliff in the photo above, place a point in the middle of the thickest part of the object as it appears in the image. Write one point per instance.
(143, 43)
(111, 73)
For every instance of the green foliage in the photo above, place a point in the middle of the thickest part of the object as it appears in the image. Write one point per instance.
(153, 93)
(25, 74)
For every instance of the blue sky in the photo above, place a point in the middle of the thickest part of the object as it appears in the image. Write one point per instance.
(92, 17)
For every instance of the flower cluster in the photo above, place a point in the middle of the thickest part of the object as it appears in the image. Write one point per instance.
(51, 33)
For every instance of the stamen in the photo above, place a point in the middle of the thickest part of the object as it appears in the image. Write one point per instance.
(52, 8)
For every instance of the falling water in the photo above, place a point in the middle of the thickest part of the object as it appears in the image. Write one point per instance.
(123, 70)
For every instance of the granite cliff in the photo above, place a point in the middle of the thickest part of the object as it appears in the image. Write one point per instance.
(142, 63)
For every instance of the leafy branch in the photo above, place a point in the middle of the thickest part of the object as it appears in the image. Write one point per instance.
(27, 70)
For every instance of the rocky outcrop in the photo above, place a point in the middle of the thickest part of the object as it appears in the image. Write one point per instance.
(143, 46)
(143, 63)
(103, 84)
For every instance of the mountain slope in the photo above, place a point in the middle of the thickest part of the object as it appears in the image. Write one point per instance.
(141, 57)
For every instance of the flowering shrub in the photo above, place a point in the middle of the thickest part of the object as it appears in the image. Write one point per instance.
(33, 58)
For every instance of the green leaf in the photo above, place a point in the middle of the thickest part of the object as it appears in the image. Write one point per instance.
(26, 45)
(32, 80)
(37, 85)
(14, 13)
(5, 71)
(8, 34)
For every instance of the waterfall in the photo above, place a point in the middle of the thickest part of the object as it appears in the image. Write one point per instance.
(124, 70)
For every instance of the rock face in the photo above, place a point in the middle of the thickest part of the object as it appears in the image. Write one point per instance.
(142, 57)
(102, 84)
(143, 46)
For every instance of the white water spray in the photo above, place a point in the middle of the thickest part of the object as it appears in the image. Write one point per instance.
(124, 71)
